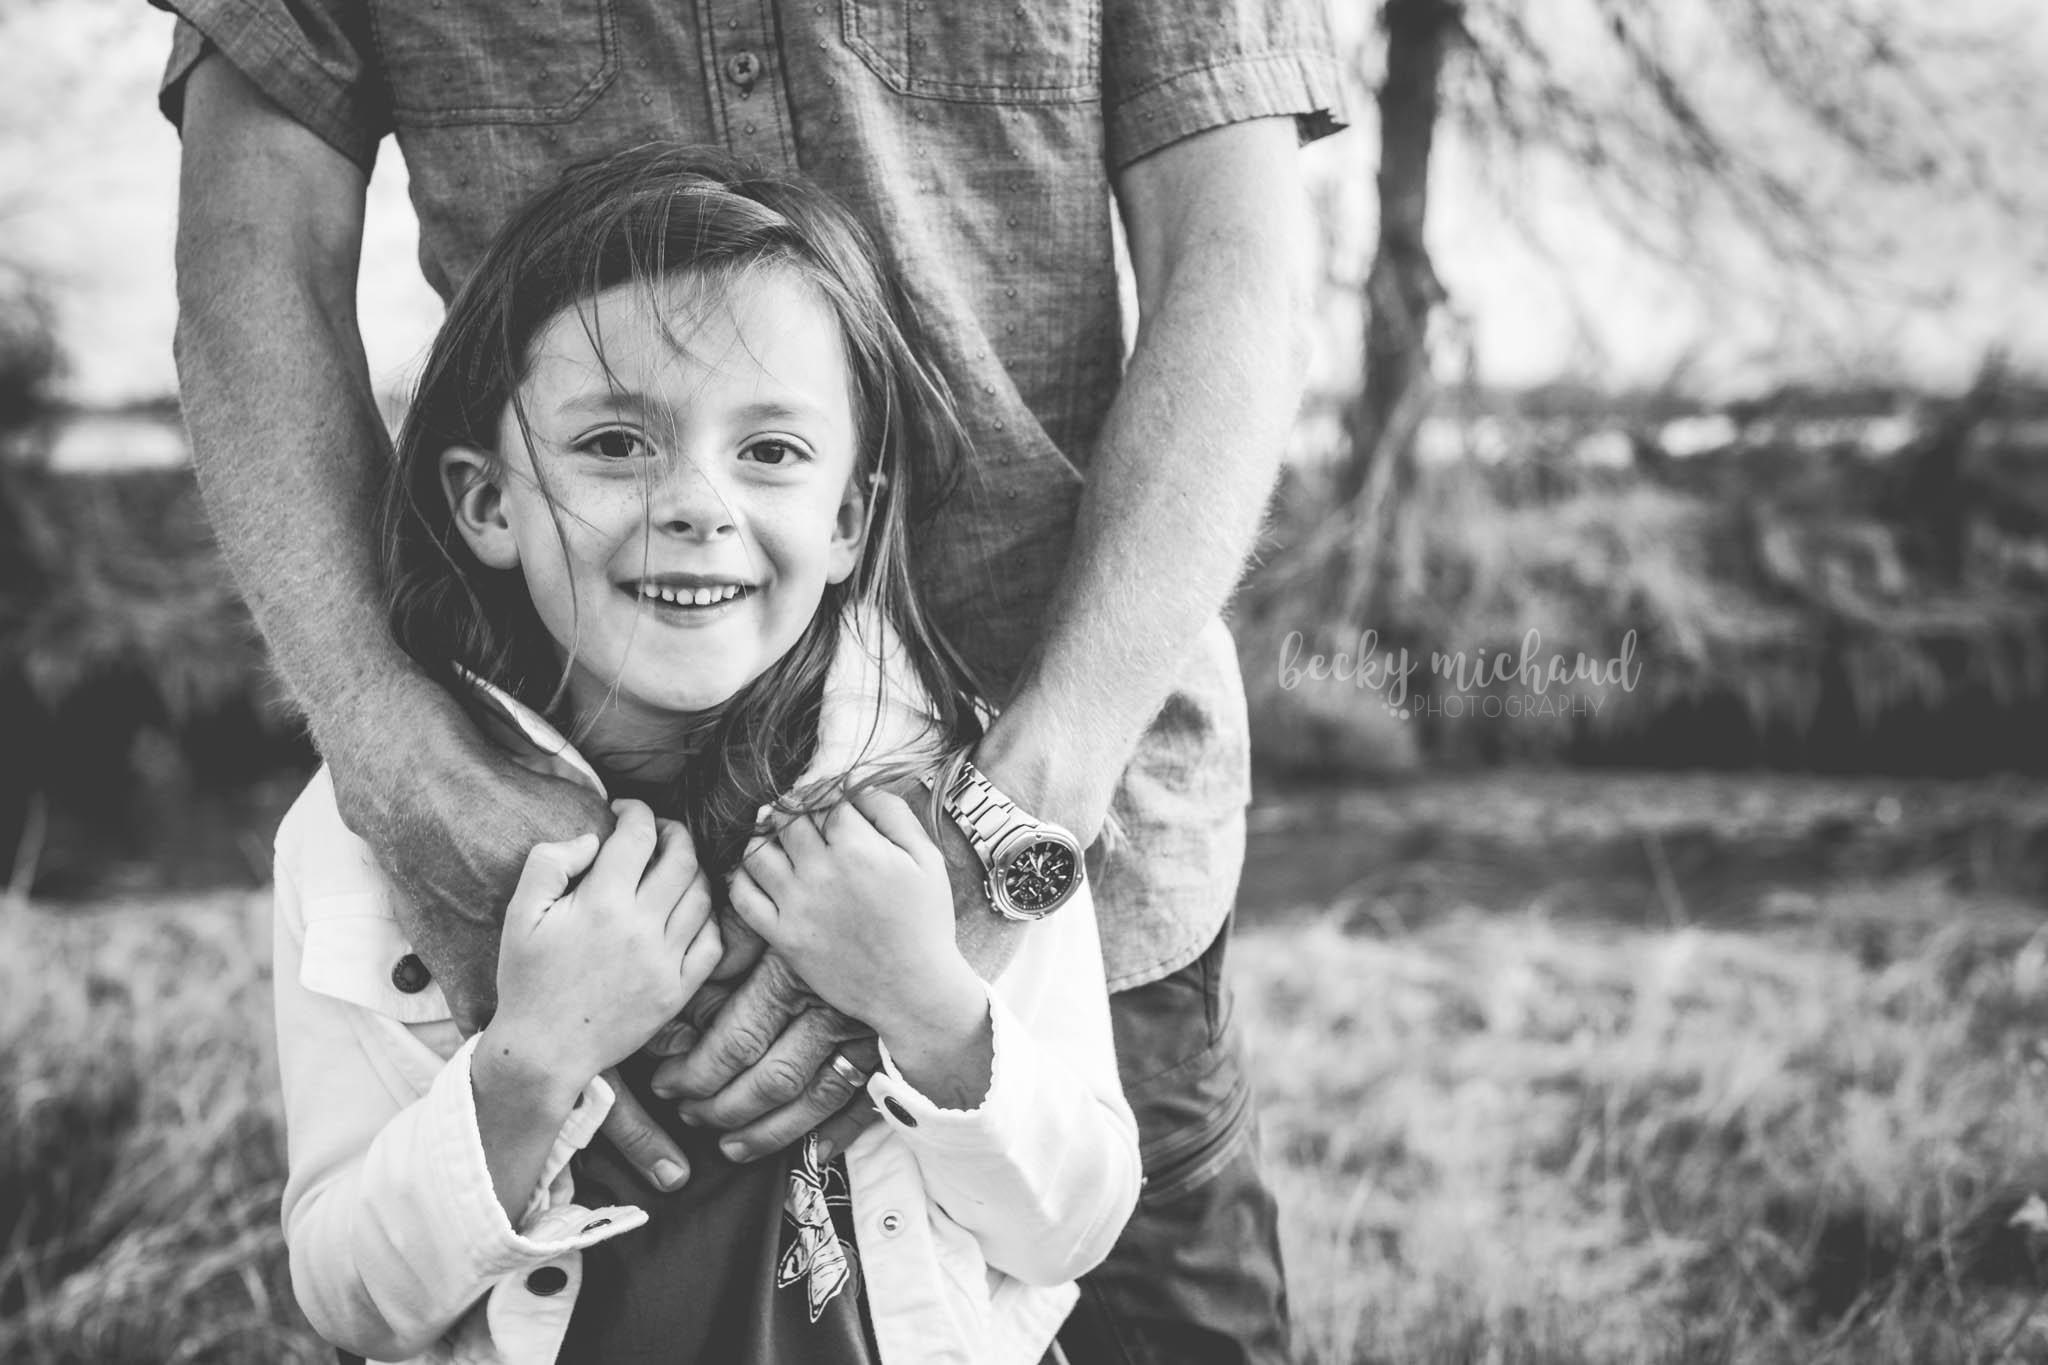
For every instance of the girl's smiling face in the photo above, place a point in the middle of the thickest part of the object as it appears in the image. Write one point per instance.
(680, 498)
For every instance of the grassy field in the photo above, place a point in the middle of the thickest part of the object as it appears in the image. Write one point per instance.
(1704, 1118)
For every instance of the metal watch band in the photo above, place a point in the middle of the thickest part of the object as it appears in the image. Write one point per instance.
(983, 813)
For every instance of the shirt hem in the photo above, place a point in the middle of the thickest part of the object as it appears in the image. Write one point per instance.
(1230, 90)
(277, 67)
(1199, 934)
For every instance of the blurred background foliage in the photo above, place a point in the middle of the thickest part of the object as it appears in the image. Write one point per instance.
(1700, 1022)
(1841, 573)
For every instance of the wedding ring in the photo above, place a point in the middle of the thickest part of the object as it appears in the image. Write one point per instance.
(848, 1072)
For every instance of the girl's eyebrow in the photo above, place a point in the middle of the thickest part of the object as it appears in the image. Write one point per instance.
(609, 402)
(770, 410)
(606, 403)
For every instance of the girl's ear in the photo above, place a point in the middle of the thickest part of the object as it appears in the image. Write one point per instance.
(850, 530)
(479, 507)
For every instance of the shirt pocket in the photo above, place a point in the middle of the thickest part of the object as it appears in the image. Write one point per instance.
(1014, 52)
(494, 61)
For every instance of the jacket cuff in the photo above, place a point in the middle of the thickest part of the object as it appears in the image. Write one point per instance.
(990, 1126)
(471, 1208)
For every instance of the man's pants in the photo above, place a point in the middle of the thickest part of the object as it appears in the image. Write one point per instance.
(1196, 1278)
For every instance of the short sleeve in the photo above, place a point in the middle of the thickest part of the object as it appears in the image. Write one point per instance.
(314, 59)
(1173, 68)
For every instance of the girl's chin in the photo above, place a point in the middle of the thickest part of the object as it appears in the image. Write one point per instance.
(677, 693)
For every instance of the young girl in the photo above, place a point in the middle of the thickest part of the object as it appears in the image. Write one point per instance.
(658, 485)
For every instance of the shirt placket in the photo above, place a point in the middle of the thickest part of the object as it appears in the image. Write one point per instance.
(749, 90)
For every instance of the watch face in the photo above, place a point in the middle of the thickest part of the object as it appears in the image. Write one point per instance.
(1040, 875)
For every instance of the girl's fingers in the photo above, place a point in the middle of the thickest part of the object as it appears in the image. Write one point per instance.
(753, 905)
(768, 863)
(842, 823)
(800, 839)
(688, 912)
(616, 872)
(893, 818)
(674, 866)
(549, 870)
(701, 957)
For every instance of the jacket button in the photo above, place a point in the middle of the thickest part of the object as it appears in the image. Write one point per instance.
(547, 1281)
(899, 1113)
(410, 974)
(892, 1223)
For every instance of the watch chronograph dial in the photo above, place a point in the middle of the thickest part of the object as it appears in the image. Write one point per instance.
(1040, 875)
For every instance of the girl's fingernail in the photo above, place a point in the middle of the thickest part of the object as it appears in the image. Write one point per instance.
(669, 1174)
(734, 1151)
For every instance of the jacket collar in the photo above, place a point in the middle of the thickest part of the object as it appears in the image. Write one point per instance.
(875, 711)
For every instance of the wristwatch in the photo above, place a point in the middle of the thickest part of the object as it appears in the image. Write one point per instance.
(1034, 866)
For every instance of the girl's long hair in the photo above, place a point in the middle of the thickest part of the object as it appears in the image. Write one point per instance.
(640, 217)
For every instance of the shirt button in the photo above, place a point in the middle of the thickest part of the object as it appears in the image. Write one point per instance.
(594, 1224)
(410, 974)
(899, 1113)
(743, 69)
(548, 1281)
(892, 1223)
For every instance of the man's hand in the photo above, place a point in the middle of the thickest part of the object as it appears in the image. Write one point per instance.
(452, 817)
(455, 818)
(761, 1066)
(758, 1062)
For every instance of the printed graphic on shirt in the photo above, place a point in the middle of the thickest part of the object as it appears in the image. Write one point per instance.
(813, 1252)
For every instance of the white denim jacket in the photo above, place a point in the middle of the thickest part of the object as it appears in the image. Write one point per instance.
(971, 1225)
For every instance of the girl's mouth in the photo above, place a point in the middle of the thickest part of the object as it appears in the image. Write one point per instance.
(684, 597)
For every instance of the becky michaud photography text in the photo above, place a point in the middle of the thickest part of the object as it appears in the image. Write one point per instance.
(1470, 682)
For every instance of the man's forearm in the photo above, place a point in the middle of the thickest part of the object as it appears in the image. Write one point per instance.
(291, 450)
(1185, 462)
(285, 429)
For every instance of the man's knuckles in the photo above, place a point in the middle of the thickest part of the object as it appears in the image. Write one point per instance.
(777, 1081)
(724, 1053)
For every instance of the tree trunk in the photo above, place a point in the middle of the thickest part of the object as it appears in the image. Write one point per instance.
(1402, 290)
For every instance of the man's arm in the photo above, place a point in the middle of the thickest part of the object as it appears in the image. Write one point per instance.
(289, 447)
(1220, 233)
(1221, 241)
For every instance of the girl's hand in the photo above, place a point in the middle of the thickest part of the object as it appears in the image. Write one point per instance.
(858, 901)
(585, 976)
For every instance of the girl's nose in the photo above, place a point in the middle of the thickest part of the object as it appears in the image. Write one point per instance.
(691, 502)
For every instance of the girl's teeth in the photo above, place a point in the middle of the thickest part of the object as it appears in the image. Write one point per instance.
(690, 597)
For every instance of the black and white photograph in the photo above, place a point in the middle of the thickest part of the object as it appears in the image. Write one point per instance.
(1032, 682)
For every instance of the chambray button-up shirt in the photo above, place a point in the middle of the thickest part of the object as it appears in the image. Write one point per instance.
(977, 141)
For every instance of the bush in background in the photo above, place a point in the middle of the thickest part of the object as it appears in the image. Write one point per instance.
(29, 356)
(1808, 603)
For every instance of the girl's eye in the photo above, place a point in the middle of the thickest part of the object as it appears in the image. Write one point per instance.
(775, 453)
(614, 445)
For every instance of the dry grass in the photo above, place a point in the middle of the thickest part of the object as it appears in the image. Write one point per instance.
(1510, 1140)
(141, 1153)
(1498, 1137)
